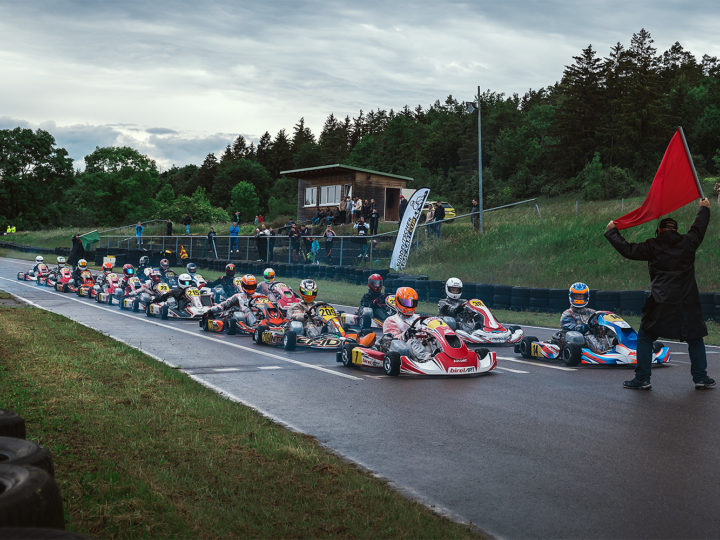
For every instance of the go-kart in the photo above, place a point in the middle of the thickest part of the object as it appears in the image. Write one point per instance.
(432, 348)
(331, 333)
(86, 287)
(40, 276)
(477, 326)
(106, 291)
(53, 276)
(219, 293)
(126, 299)
(138, 299)
(283, 295)
(65, 282)
(170, 278)
(373, 316)
(266, 315)
(611, 341)
(195, 306)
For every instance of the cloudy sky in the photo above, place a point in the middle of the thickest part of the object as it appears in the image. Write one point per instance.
(180, 79)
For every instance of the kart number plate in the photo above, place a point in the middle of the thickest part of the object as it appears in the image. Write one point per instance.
(477, 303)
(215, 325)
(192, 292)
(357, 356)
(536, 350)
(435, 323)
(162, 287)
(262, 301)
(327, 312)
(134, 280)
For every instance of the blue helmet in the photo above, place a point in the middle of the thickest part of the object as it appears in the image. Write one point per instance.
(579, 295)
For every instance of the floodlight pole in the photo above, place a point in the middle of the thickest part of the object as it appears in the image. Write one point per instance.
(480, 194)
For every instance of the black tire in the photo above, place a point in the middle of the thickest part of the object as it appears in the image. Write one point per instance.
(15, 451)
(526, 346)
(19, 276)
(571, 354)
(204, 323)
(232, 327)
(29, 497)
(164, 313)
(110, 300)
(136, 305)
(346, 355)
(147, 311)
(289, 340)
(11, 424)
(65, 288)
(657, 346)
(391, 364)
(257, 334)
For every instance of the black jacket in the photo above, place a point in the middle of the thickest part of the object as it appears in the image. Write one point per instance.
(673, 309)
(439, 214)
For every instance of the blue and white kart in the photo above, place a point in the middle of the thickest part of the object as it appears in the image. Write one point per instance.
(612, 341)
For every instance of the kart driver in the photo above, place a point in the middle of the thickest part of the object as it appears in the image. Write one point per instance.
(149, 286)
(313, 325)
(106, 271)
(396, 326)
(375, 298)
(143, 269)
(178, 293)
(269, 275)
(227, 282)
(38, 261)
(577, 316)
(79, 269)
(165, 268)
(241, 300)
(452, 305)
(60, 263)
(123, 287)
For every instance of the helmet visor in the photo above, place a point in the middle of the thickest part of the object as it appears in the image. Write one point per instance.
(455, 290)
(407, 302)
(375, 284)
(579, 298)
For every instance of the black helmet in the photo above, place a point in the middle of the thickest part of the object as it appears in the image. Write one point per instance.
(230, 270)
(144, 260)
(191, 268)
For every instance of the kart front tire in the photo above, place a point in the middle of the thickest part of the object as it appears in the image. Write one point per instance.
(571, 354)
(289, 340)
(164, 313)
(391, 364)
(136, 305)
(147, 311)
(258, 333)
(346, 355)
(232, 328)
(526, 346)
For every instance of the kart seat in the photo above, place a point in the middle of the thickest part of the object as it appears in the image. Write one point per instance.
(368, 340)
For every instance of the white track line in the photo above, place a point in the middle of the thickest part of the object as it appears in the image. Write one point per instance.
(511, 370)
(536, 364)
(194, 334)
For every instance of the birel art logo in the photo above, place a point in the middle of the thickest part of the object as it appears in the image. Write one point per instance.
(468, 369)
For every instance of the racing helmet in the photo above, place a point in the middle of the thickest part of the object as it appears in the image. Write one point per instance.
(406, 300)
(269, 275)
(375, 283)
(248, 284)
(107, 267)
(191, 268)
(453, 288)
(144, 260)
(230, 270)
(579, 295)
(61, 260)
(39, 259)
(82, 264)
(185, 281)
(165, 264)
(308, 290)
(128, 269)
(155, 275)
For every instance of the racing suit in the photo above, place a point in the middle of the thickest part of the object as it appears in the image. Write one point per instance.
(451, 307)
(396, 326)
(240, 301)
(313, 326)
(376, 302)
(140, 271)
(576, 319)
(177, 294)
(76, 275)
(264, 288)
(227, 283)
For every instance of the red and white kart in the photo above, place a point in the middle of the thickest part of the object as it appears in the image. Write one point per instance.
(196, 302)
(283, 295)
(132, 291)
(477, 326)
(86, 287)
(106, 291)
(40, 276)
(65, 281)
(432, 348)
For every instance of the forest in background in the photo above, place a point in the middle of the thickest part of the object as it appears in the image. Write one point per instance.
(599, 132)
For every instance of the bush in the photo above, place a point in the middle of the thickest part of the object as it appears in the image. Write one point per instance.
(598, 183)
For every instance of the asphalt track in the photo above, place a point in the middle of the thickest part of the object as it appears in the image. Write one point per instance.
(533, 450)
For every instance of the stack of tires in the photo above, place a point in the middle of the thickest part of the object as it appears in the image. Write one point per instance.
(30, 503)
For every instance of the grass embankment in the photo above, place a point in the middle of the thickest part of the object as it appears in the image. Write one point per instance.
(141, 450)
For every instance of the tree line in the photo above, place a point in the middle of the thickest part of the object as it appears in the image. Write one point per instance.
(600, 132)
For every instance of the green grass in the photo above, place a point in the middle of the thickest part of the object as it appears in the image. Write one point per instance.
(141, 450)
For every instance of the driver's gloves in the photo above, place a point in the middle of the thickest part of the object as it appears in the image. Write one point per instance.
(582, 328)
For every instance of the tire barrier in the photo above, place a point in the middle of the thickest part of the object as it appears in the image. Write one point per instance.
(11, 425)
(15, 451)
(29, 497)
(539, 299)
(519, 298)
(606, 300)
(501, 296)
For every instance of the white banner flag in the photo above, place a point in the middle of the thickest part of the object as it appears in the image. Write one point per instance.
(410, 219)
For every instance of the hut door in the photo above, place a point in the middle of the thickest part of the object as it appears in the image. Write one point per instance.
(392, 204)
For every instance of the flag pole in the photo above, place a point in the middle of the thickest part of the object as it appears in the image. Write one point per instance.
(692, 165)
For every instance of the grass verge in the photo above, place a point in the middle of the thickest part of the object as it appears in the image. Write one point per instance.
(141, 450)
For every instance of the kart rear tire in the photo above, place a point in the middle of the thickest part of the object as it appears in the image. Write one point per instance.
(391, 364)
(11, 424)
(257, 334)
(657, 346)
(204, 323)
(29, 497)
(19, 276)
(164, 313)
(346, 355)
(14, 451)
(289, 340)
(571, 354)
(136, 305)
(110, 300)
(232, 327)
(526, 346)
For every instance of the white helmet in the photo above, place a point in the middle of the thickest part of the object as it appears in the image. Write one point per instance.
(185, 281)
(453, 288)
(61, 260)
(39, 259)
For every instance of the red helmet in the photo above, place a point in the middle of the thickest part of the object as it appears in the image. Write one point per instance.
(155, 275)
(375, 283)
(165, 264)
(249, 284)
(129, 270)
(230, 270)
(107, 267)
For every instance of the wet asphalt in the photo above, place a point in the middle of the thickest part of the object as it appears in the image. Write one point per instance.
(532, 450)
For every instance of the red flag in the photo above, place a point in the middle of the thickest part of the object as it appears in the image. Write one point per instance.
(183, 253)
(674, 186)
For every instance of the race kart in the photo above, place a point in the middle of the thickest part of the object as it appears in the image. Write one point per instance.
(106, 291)
(477, 326)
(170, 278)
(86, 287)
(138, 299)
(432, 348)
(612, 341)
(283, 295)
(133, 290)
(65, 282)
(374, 316)
(40, 276)
(267, 315)
(332, 333)
(196, 304)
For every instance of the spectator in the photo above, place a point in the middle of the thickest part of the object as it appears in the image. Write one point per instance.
(374, 217)
(349, 210)
(211, 241)
(256, 221)
(294, 235)
(265, 255)
(475, 217)
(186, 222)
(366, 210)
(258, 244)
(306, 241)
(438, 217)
(362, 230)
(138, 233)
(429, 218)
(168, 228)
(271, 239)
(315, 250)
(403, 207)
(357, 209)
(342, 210)
(330, 217)
(329, 235)
(234, 232)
